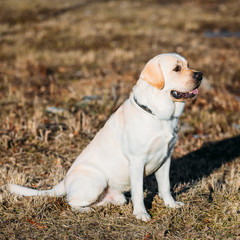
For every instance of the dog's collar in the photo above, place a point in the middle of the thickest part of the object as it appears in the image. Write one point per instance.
(145, 108)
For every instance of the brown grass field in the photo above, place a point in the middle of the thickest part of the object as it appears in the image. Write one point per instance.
(83, 58)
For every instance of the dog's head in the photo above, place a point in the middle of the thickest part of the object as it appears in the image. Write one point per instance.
(171, 73)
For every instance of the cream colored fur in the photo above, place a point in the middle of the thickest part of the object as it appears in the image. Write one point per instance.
(132, 144)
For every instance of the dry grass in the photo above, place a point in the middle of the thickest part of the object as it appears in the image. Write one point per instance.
(55, 53)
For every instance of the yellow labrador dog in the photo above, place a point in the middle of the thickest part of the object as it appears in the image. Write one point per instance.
(136, 141)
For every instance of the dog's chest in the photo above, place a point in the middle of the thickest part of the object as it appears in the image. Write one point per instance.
(161, 148)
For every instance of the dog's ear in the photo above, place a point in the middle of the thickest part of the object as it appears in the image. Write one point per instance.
(152, 73)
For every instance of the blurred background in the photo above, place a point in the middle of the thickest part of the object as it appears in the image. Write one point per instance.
(70, 59)
(66, 66)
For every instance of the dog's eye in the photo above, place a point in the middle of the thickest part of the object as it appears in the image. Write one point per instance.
(177, 68)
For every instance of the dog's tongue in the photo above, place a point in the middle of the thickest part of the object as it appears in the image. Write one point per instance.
(195, 91)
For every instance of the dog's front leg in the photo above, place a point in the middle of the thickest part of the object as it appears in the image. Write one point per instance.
(136, 178)
(162, 176)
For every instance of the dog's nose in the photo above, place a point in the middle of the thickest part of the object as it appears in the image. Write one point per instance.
(198, 76)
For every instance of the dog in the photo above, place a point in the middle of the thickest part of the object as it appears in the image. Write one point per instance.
(136, 141)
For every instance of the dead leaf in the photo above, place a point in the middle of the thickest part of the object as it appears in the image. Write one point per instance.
(148, 236)
(37, 225)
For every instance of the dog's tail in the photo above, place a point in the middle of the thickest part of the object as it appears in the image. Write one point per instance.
(58, 190)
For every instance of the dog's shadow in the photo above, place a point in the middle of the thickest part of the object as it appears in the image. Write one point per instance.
(196, 165)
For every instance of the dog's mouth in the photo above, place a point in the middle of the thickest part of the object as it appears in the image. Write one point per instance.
(183, 96)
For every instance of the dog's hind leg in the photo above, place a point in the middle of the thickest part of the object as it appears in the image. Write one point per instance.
(84, 188)
(111, 196)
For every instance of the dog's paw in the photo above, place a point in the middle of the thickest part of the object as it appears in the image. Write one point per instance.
(179, 204)
(144, 216)
(82, 209)
(174, 204)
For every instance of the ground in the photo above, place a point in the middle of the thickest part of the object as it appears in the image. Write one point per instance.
(65, 66)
